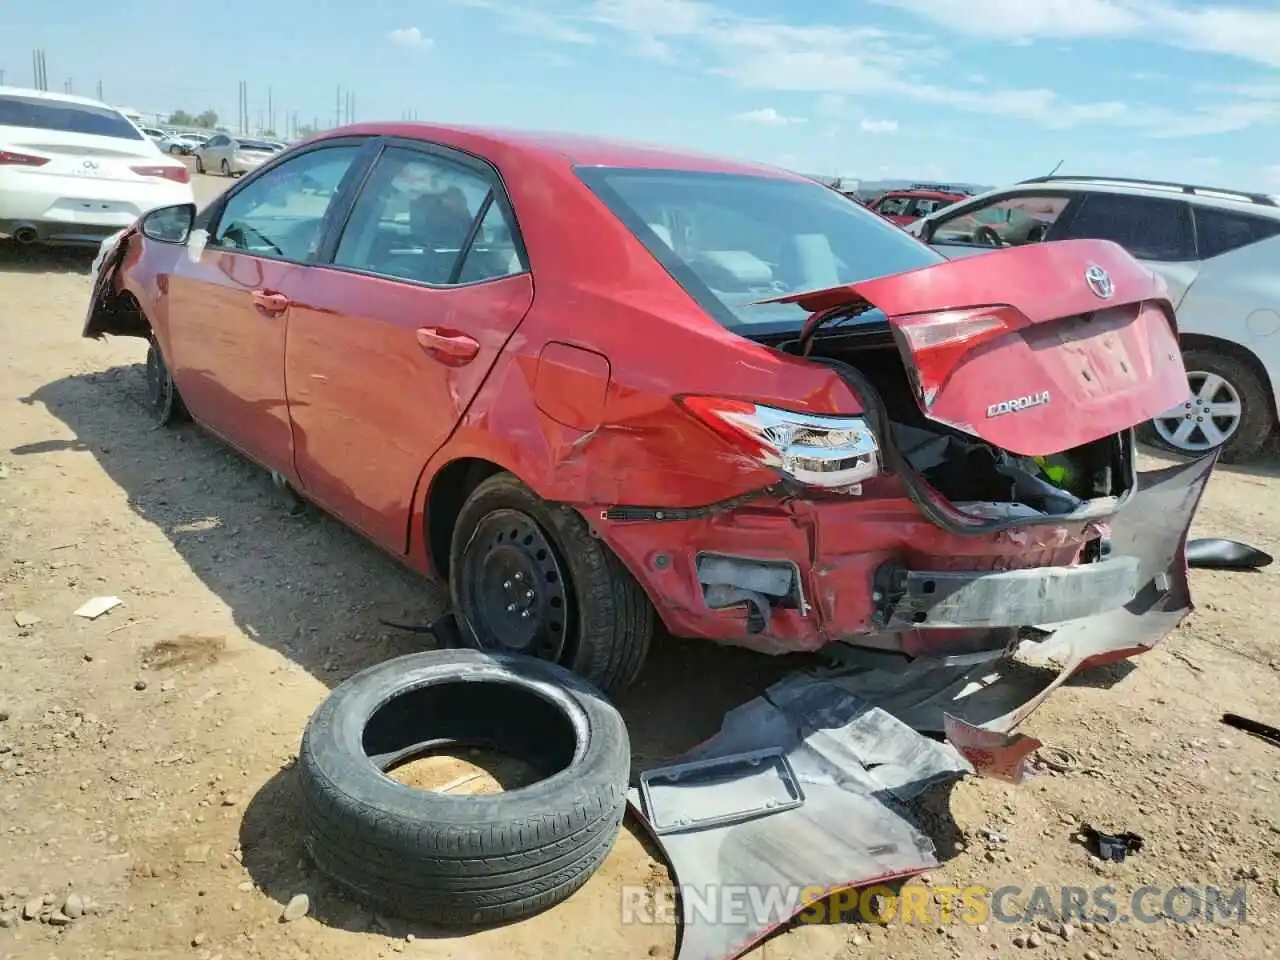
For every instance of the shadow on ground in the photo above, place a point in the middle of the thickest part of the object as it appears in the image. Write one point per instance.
(16, 258)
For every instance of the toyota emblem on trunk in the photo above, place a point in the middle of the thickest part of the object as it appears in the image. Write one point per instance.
(90, 165)
(1099, 282)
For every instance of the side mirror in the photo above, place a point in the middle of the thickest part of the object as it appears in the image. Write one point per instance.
(170, 224)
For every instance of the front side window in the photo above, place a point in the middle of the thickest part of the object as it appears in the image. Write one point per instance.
(894, 206)
(734, 239)
(281, 214)
(38, 113)
(1150, 228)
(1007, 222)
(415, 220)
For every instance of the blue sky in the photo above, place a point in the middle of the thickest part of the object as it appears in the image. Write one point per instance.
(979, 90)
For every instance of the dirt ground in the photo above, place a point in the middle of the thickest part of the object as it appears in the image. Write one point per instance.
(145, 756)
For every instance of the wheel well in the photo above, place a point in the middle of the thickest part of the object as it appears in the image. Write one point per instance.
(449, 491)
(1200, 341)
(124, 317)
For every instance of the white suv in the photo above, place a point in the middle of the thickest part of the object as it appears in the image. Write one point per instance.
(1219, 251)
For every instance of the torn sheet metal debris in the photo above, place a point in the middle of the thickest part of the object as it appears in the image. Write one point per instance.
(854, 766)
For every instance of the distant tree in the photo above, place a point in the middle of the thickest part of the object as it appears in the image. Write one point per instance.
(305, 130)
(180, 118)
(271, 134)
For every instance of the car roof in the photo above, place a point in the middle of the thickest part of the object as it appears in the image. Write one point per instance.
(563, 148)
(57, 97)
(1220, 201)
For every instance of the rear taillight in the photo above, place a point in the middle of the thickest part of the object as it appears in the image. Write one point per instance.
(820, 451)
(936, 342)
(178, 174)
(8, 159)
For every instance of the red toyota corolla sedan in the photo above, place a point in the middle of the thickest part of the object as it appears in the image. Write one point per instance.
(586, 381)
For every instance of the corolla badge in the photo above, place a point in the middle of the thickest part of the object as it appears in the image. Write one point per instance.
(1018, 404)
(1099, 282)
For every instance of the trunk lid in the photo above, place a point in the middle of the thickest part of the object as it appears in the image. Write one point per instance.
(81, 155)
(1034, 349)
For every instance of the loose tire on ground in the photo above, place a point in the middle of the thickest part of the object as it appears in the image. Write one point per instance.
(586, 611)
(1257, 417)
(450, 859)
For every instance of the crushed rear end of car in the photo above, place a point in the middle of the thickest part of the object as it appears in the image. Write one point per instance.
(984, 508)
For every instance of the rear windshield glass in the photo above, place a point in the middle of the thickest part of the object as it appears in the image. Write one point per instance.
(41, 114)
(257, 145)
(734, 239)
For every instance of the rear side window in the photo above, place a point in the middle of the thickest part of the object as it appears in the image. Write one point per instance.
(416, 220)
(38, 113)
(1150, 228)
(1221, 231)
(734, 239)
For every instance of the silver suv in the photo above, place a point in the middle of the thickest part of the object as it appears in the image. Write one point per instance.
(1219, 251)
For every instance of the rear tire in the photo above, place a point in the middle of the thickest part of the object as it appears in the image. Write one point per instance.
(226, 169)
(199, 164)
(164, 402)
(526, 576)
(1241, 386)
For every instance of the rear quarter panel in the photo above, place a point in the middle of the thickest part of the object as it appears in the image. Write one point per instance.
(1236, 297)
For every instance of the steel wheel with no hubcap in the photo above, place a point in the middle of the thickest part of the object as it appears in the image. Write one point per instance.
(519, 596)
(1208, 418)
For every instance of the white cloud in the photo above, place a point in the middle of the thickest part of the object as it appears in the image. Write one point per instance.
(409, 37)
(878, 126)
(534, 22)
(1025, 19)
(1235, 30)
(768, 117)
(856, 60)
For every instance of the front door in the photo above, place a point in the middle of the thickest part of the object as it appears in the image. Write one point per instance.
(227, 310)
(389, 344)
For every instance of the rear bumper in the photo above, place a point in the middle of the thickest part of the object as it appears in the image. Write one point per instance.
(795, 576)
(941, 599)
(63, 210)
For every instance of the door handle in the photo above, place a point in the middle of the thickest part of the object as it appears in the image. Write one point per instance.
(269, 302)
(450, 347)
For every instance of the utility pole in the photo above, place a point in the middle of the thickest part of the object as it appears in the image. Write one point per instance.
(271, 113)
(67, 85)
(337, 110)
(99, 89)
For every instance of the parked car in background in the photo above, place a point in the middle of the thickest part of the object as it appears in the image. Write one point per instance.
(1218, 251)
(232, 156)
(728, 393)
(906, 206)
(73, 170)
(183, 144)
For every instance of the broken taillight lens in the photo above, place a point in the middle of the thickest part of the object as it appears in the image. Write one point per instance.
(178, 174)
(820, 451)
(9, 159)
(937, 342)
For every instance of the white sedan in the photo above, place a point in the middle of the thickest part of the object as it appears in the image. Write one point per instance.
(73, 170)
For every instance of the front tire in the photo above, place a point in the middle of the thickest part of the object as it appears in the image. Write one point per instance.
(164, 402)
(199, 164)
(226, 169)
(1229, 408)
(526, 576)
